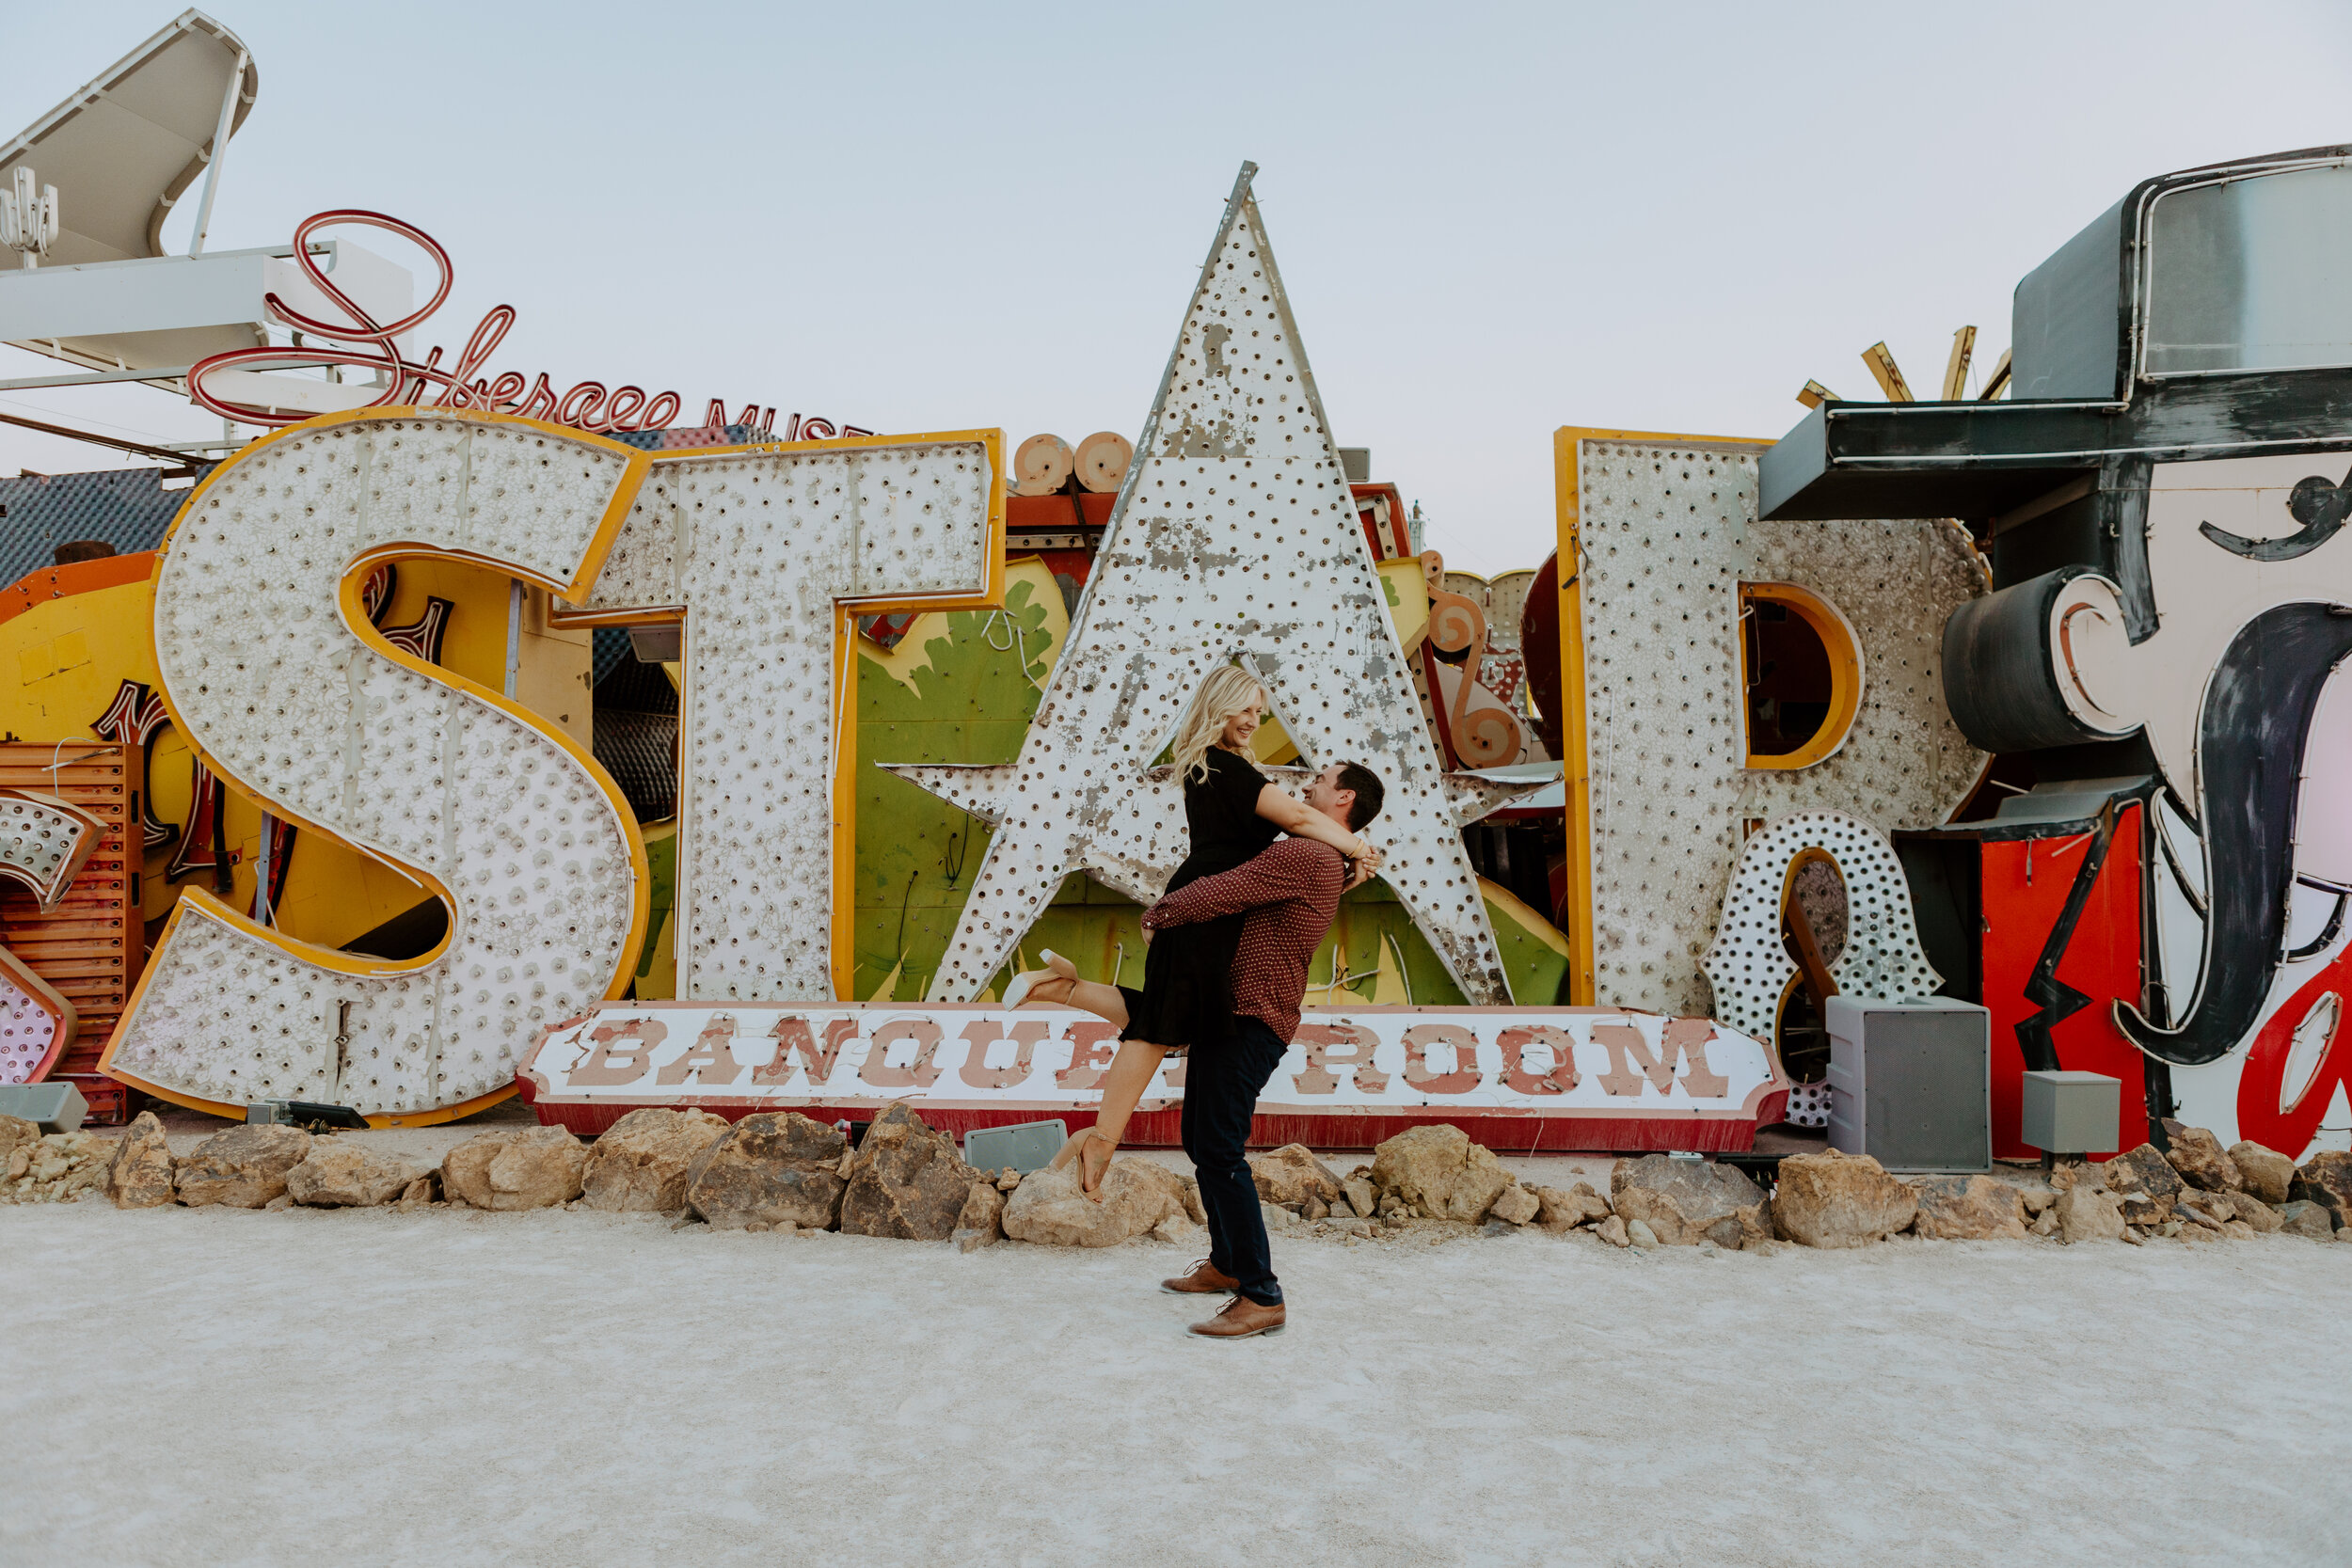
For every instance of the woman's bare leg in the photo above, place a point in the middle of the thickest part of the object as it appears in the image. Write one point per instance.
(1102, 1001)
(1123, 1082)
(1093, 996)
(1129, 1075)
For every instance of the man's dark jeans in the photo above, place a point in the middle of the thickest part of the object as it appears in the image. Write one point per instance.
(1221, 1087)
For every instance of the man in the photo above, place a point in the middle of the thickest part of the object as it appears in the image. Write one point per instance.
(1290, 891)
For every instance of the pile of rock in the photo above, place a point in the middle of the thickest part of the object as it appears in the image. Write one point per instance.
(47, 1167)
(2198, 1192)
(259, 1166)
(1431, 1174)
(781, 1171)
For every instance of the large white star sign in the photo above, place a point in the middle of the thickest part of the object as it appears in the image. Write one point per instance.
(1234, 536)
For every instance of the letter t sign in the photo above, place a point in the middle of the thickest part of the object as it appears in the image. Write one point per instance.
(770, 554)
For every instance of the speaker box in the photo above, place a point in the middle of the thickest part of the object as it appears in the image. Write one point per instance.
(1911, 1083)
(1031, 1146)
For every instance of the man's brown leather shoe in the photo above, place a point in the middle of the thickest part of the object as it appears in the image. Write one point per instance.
(1242, 1319)
(1203, 1281)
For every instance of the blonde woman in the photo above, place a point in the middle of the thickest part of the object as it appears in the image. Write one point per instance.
(1186, 999)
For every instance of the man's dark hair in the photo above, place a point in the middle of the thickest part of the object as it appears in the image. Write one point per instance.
(1366, 783)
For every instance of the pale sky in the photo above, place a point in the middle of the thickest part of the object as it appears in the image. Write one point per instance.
(1493, 220)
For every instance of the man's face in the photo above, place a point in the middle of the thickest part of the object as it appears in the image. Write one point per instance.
(1325, 795)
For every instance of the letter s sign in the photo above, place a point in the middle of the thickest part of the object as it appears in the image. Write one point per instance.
(513, 825)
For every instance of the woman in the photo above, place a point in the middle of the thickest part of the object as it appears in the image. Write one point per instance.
(1233, 812)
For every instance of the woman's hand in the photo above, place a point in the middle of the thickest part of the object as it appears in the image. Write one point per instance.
(1362, 868)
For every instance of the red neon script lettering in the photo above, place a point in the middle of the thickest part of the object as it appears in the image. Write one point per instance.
(364, 343)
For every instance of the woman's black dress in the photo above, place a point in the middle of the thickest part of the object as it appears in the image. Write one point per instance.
(1186, 998)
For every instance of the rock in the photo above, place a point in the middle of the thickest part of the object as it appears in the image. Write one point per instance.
(776, 1167)
(2065, 1175)
(1009, 1180)
(339, 1173)
(139, 1174)
(1970, 1208)
(419, 1192)
(981, 1222)
(533, 1167)
(2037, 1195)
(2046, 1223)
(1685, 1201)
(2344, 1233)
(2267, 1173)
(2326, 1179)
(283, 1201)
(2302, 1217)
(17, 1136)
(1638, 1233)
(2201, 1161)
(2131, 1235)
(2238, 1230)
(1613, 1231)
(2200, 1235)
(1436, 1169)
(1516, 1206)
(909, 1182)
(1179, 1229)
(1565, 1211)
(2087, 1214)
(638, 1163)
(1276, 1218)
(1136, 1195)
(2253, 1212)
(1390, 1205)
(2208, 1209)
(1498, 1227)
(1363, 1195)
(244, 1167)
(1839, 1201)
(1291, 1176)
(2144, 1183)
(1315, 1209)
(85, 1172)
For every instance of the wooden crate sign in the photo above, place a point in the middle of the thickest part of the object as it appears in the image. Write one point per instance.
(88, 945)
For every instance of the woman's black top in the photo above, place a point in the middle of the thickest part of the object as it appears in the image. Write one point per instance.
(1186, 998)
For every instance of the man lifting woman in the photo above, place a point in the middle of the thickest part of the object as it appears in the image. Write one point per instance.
(1225, 973)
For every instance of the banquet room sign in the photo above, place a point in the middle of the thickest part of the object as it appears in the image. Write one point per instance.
(1593, 1077)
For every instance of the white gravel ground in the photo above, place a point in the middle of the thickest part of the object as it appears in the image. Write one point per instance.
(228, 1387)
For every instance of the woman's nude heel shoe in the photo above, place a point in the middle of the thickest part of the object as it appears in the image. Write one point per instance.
(1056, 968)
(1073, 1151)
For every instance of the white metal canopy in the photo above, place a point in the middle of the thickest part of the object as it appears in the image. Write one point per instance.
(123, 149)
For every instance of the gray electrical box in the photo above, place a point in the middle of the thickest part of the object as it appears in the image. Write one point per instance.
(2072, 1112)
(1911, 1083)
(59, 1107)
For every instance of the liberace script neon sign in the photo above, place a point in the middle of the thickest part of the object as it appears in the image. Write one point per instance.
(371, 345)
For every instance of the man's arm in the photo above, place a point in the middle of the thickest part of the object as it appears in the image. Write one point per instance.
(1273, 876)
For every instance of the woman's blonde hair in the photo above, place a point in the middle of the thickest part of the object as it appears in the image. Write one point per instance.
(1228, 690)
